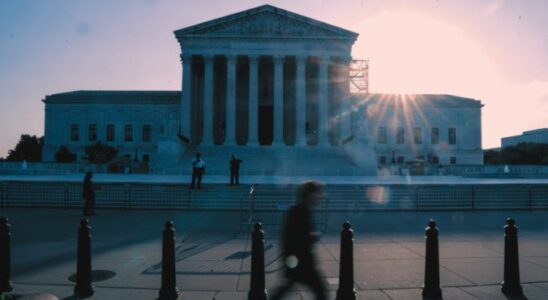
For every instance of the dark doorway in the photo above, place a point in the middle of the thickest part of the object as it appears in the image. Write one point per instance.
(266, 130)
(266, 96)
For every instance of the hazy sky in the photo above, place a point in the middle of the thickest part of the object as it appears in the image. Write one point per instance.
(492, 50)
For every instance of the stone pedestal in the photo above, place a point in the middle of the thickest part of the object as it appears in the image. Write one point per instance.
(360, 149)
(170, 149)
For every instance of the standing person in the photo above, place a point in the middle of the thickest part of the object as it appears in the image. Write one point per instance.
(88, 195)
(235, 170)
(198, 169)
(298, 240)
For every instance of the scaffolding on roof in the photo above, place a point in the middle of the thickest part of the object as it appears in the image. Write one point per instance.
(359, 76)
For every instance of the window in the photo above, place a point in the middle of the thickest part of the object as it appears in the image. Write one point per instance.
(110, 133)
(74, 132)
(435, 137)
(382, 135)
(435, 160)
(453, 160)
(147, 133)
(452, 136)
(92, 133)
(401, 159)
(400, 136)
(128, 133)
(417, 135)
(382, 160)
(146, 157)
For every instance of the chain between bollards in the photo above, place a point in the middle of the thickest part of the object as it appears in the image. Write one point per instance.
(168, 290)
(83, 287)
(346, 289)
(431, 288)
(257, 290)
(5, 257)
(511, 285)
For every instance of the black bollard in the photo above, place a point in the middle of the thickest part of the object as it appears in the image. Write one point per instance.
(83, 287)
(169, 288)
(5, 258)
(257, 290)
(346, 289)
(511, 285)
(431, 288)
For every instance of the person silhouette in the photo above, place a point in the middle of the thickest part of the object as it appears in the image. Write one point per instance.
(235, 170)
(88, 194)
(298, 241)
(198, 169)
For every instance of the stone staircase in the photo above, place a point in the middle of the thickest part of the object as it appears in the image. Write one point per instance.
(283, 160)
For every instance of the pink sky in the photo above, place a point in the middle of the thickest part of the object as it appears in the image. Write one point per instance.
(495, 51)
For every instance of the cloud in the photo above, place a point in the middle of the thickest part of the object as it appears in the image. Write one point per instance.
(494, 6)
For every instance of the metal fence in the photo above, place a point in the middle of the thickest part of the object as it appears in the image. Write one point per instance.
(274, 198)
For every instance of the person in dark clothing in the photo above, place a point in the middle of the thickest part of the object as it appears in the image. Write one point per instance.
(88, 195)
(198, 169)
(298, 241)
(235, 170)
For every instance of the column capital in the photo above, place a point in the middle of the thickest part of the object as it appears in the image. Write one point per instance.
(278, 59)
(301, 59)
(253, 58)
(185, 58)
(231, 58)
(208, 58)
(324, 59)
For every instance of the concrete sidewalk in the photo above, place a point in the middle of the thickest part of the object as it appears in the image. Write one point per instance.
(213, 258)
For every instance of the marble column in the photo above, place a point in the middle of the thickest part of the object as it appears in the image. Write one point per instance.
(346, 99)
(185, 97)
(300, 106)
(230, 120)
(253, 126)
(278, 138)
(207, 138)
(323, 97)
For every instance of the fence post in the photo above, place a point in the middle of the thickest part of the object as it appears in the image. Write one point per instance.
(511, 285)
(416, 198)
(84, 287)
(473, 198)
(530, 195)
(5, 258)
(257, 290)
(431, 288)
(168, 289)
(346, 289)
(66, 194)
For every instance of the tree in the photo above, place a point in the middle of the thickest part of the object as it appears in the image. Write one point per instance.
(28, 148)
(522, 154)
(491, 157)
(100, 153)
(63, 155)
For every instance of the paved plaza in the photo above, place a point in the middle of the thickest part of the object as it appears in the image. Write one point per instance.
(213, 257)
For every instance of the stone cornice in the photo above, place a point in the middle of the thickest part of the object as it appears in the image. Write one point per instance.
(262, 20)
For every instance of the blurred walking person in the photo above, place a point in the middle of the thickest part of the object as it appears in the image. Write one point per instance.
(88, 194)
(299, 237)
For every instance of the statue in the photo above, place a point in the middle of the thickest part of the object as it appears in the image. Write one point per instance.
(170, 126)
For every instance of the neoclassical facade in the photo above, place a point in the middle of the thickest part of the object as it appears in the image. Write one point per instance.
(265, 76)
(271, 85)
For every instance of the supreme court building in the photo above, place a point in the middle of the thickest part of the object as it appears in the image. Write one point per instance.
(272, 87)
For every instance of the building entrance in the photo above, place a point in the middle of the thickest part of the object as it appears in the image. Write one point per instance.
(266, 120)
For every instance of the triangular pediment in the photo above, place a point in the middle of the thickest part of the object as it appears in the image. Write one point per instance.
(266, 21)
